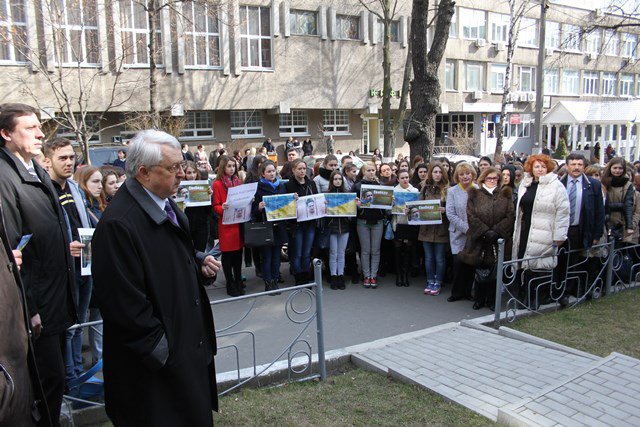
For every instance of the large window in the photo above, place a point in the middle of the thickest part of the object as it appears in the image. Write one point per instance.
(199, 125)
(570, 82)
(442, 125)
(590, 83)
(394, 29)
(347, 27)
(626, 85)
(76, 31)
(592, 41)
(246, 123)
(528, 33)
(255, 37)
(335, 122)
(202, 37)
(303, 22)
(453, 28)
(611, 43)
(571, 37)
(473, 23)
(527, 79)
(91, 124)
(629, 44)
(450, 76)
(474, 76)
(499, 27)
(551, 81)
(462, 125)
(519, 126)
(295, 123)
(13, 31)
(135, 33)
(498, 75)
(609, 84)
(552, 35)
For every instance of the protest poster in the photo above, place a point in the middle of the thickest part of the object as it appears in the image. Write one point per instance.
(280, 206)
(180, 202)
(400, 200)
(424, 212)
(376, 197)
(239, 199)
(86, 234)
(341, 204)
(195, 193)
(311, 207)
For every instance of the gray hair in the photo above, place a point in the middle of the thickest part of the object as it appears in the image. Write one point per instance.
(145, 149)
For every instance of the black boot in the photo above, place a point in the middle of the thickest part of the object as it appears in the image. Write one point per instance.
(334, 282)
(398, 264)
(275, 286)
(268, 286)
(240, 288)
(406, 269)
(341, 282)
(231, 288)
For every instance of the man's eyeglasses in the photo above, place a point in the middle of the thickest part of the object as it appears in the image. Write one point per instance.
(175, 167)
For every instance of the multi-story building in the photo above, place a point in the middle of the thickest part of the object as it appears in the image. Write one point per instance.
(243, 71)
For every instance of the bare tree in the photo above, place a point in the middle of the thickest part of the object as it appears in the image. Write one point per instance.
(420, 127)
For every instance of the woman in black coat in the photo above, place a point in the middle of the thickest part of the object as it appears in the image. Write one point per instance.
(269, 185)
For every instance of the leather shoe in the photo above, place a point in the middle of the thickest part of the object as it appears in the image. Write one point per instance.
(477, 305)
(453, 299)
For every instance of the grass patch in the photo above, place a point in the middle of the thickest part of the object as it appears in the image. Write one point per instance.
(598, 326)
(352, 397)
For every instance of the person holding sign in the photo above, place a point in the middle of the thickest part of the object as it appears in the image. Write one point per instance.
(198, 215)
(269, 185)
(339, 235)
(369, 226)
(301, 234)
(404, 234)
(228, 234)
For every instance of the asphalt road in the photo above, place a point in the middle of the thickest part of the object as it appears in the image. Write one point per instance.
(352, 316)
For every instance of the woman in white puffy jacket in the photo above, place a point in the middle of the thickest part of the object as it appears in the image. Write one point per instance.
(542, 215)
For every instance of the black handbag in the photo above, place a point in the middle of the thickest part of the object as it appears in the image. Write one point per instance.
(258, 234)
(487, 273)
(407, 232)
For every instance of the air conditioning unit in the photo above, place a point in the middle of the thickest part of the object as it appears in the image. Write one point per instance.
(477, 94)
(500, 47)
(592, 56)
(524, 97)
(513, 97)
(481, 42)
(531, 96)
(548, 52)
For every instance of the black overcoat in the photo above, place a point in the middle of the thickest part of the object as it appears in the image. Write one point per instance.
(159, 337)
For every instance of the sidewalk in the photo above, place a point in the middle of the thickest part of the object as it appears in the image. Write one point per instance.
(511, 377)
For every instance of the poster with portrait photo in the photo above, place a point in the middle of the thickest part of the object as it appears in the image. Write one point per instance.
(239, 201)
(86, 234)
(376, 197)
(424, 212)
(311, 207)
(195, 193)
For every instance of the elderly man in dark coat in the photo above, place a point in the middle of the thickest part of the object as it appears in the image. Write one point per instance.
(159, 338)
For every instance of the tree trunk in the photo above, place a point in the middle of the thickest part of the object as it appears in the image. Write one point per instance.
(389, 146)
(153, 83)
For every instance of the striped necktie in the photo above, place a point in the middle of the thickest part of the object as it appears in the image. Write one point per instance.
(572, 201)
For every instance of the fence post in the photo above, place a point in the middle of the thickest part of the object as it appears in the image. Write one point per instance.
(317, 277)
(609, 284)
(500, 266)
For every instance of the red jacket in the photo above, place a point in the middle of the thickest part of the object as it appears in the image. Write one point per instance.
(229, 234)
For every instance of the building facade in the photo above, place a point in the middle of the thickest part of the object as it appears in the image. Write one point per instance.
(241, 71)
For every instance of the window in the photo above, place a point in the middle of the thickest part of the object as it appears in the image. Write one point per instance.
(394, 29)
(347, 27)
(442, 125)
(609, 84)
(462, 125)
(474, 76)
(335, 121)
(499, 27)
(570, 82)
(527, 79)
(76, 31)
(552, 35)
(551, 80)
(498, 74)
(590, 83)
(91, 124)
(571, 37)
(528, 35)
(202, 35)
(13, 31)
(518, 126)
(453, 29)
(626, 85)
(611, 42)
(255, 37)
(450, 76)
(246, 123)
(135, 33)
(303, 22)
(592, 42)
(473, 23)
(295, 123)
(629, 45)
(199, 125)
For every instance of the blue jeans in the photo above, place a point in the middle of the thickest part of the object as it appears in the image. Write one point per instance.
(300, 245)
(337, 249)
(434, 261)
(73, 356)
(270, 262)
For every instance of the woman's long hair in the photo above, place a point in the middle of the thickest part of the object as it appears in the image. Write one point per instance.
(82, 176)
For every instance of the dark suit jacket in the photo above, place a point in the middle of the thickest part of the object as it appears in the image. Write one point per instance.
(591, 210)
(159, 338)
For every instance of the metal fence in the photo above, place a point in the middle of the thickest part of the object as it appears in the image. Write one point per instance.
(580, 275)
(302, 307)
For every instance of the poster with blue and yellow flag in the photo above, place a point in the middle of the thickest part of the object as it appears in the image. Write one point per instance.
(280, 206)
(341, 204)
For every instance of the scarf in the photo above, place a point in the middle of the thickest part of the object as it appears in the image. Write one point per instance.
(619, 181)
(275, 184)
(465, 189)
(233, 182)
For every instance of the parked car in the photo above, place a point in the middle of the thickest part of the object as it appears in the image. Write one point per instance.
(101, 156)
(311, 160)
